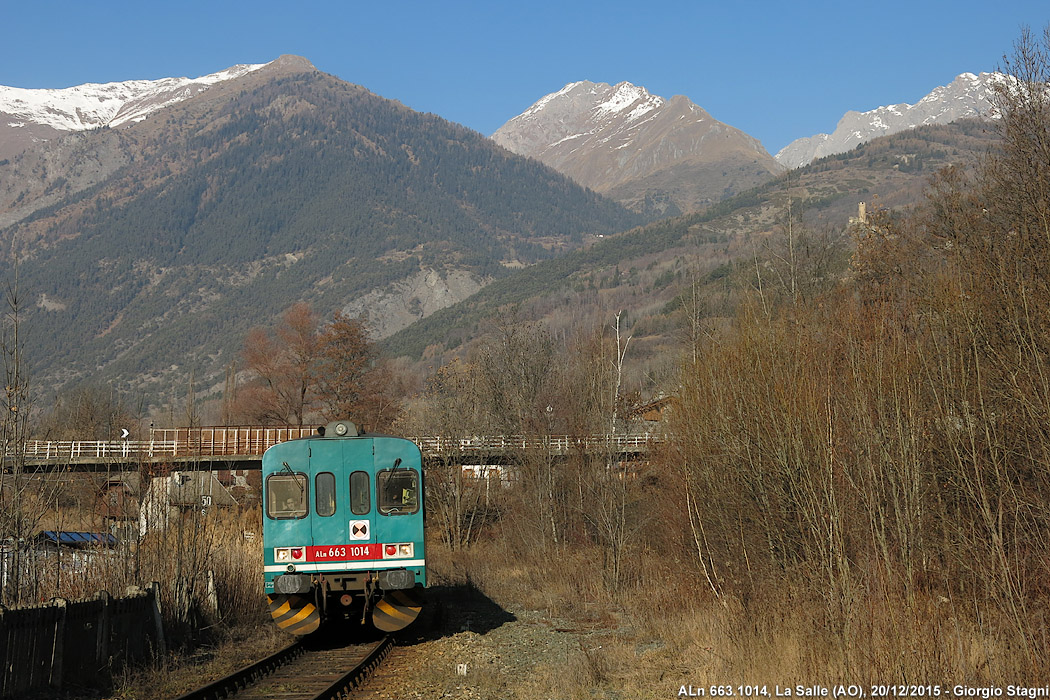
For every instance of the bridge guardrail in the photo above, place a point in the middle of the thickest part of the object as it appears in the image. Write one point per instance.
(242, 442)
(559, 443)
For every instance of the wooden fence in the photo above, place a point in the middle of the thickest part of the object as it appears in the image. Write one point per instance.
(65, 645)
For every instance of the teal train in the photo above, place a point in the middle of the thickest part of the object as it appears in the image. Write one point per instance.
(343, 530)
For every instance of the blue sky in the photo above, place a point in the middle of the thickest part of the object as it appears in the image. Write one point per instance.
(777, 70)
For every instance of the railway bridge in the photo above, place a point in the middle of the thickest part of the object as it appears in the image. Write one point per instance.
(223, 447)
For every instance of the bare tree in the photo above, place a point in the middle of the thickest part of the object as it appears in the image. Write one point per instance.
(86, 413)
(461, 498)
(609, 507)
(518, 377)
(24, 498)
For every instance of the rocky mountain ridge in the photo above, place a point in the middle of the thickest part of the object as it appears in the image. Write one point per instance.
(647, 152)
(146, 252)
(28, 116)
(652, 272)
(968, 95)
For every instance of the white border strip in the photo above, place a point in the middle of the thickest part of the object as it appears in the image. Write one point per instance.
(345, 566)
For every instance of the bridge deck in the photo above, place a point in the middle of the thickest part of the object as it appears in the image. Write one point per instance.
(248, 444)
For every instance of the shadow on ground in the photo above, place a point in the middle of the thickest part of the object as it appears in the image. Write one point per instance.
(450, 610)
(337, 635)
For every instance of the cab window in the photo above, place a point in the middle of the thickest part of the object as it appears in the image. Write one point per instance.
(286, 496)
(397, 491)
(324, 494)
(360, 498)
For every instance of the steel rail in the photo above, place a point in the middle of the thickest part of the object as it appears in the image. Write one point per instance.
(242, 681)
(231, 684)
(360, 673)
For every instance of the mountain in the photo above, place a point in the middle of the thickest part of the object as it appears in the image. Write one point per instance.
(66, 141)
(145, 251)
(651, 272)
(968, 95)
(649, 153)
(30, 116)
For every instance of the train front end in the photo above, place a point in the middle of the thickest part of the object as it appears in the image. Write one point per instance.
(343, 530)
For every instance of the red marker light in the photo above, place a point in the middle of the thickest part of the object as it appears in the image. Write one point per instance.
(297, 553)
(391, 550)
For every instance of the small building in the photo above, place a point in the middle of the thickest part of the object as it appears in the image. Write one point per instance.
(178, 494)
(653, 412)
(117, 505)
(500, 474)
(57, 555)
(241, 483)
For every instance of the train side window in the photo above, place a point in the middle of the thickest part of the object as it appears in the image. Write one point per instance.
(360, 498)
(398, 491)
(286, 496)
(324, 494)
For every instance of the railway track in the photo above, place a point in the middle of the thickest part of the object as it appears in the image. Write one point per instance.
(302, 671)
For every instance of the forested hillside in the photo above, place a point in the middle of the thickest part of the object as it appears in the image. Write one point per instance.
(300, 187)
(647, 271)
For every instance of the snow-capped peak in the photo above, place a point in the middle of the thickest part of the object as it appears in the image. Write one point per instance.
(579, 110)
(547, 99)
(968, 95)
(621, 137)
(92, 105)
(625, 95)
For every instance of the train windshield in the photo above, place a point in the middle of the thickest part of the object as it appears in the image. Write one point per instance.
(324, 494)
(360, 498)
(286, 496)
(398, 491)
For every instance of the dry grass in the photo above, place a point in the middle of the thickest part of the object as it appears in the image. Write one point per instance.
(648, 641)
(183, 672)
(215, 566)
(566, 587)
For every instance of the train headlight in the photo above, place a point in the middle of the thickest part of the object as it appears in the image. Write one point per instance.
(398, 551)
(282, 555)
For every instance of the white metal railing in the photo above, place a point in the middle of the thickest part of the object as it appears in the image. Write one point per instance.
(48, 450)
(557, 443)
(247, 442)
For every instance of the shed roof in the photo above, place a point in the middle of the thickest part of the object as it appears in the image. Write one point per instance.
(78, 539)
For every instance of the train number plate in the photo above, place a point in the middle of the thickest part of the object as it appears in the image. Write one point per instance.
(343, 552)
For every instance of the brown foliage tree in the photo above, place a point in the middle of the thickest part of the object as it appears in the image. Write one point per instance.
(345, 358)
(282, 364)
(350, 379)
(305, 370)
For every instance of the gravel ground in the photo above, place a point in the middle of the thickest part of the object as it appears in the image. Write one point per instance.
(464, 646)
(468, 647)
